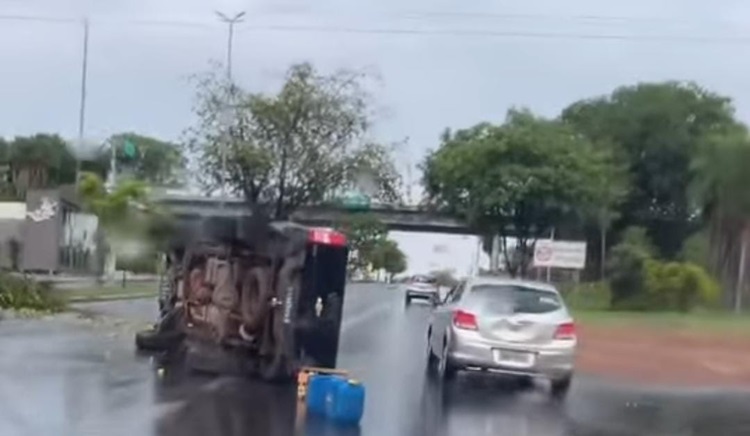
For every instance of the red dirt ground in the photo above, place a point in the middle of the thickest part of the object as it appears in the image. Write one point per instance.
(671, 357)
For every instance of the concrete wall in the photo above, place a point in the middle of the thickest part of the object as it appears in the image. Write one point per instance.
(12, 217)
(42, 231)
(79, 230)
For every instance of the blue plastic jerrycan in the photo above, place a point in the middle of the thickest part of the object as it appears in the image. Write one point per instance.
(346, 401)
(318, 389)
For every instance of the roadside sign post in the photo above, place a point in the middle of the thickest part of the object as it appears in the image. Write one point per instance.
(559, 254)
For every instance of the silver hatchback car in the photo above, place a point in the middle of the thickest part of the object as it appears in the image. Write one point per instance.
(514, 327)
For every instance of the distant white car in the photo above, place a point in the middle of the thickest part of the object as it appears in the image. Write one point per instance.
(422, 287)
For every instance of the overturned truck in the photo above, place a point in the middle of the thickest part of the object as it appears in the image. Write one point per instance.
(247, 298)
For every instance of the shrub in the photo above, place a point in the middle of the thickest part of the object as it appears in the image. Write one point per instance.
(679, 286)
(627, 277)
(21, 293)
(588, 296)
(146, 264)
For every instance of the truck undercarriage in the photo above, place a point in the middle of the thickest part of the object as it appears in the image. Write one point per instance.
(251, 299)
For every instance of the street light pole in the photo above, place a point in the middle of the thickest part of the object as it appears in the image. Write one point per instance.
(82, 105)
(231, 21)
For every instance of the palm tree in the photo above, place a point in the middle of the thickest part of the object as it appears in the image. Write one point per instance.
(125, 213)
(722, 188)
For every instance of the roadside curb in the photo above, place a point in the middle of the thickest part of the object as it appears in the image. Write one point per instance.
(112, 297)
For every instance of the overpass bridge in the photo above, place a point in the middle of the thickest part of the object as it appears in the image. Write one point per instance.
(402, 218)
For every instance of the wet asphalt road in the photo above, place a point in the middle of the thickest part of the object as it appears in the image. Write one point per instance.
(70, 377)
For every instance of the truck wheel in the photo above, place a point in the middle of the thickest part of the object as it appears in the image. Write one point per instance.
(165, 335)
(154, 340)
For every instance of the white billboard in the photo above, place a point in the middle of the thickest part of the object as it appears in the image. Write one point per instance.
(560, 254)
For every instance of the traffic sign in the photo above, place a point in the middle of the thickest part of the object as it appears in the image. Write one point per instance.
(560, 254)
(356, 201)
(129, 149)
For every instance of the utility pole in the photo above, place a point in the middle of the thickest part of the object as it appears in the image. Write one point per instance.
(82, 107)
(549, 270)
(230, 21)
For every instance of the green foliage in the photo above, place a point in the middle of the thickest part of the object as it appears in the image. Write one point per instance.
(627, 277)
(364, 233)
(299, 146)
(113, 208)
(678, 286)
(720, 190)
(640, 282)
(656, 129)
(135, 227)
(19, 293)
(39, 161)
(696, 248)
(146, 263)
(521, 177)
(588, 296)
(638, 237)
(145, 158)
(387, 256)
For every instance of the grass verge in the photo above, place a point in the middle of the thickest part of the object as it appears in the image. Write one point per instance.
(111, 292)
(26, 295)
(705, 322)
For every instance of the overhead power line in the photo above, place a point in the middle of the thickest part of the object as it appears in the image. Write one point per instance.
(507, 34)
(38, 18)
(487, 33)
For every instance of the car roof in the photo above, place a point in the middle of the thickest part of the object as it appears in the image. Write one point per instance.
(478, 281)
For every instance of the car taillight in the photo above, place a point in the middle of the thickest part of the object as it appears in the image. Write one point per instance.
(464, 320)
(566, 331)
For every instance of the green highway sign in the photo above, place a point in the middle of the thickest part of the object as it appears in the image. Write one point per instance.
(355, 201)
(129, 149)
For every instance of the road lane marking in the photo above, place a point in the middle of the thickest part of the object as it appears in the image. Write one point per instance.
(363, 316)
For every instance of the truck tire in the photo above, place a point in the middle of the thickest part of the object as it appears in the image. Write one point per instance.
(154, 340)
(254, 298)
(165, 335)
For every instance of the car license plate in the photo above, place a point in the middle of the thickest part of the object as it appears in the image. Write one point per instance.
(513, 358)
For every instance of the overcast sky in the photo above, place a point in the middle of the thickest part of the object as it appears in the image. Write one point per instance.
(468, 61)
(440, 63)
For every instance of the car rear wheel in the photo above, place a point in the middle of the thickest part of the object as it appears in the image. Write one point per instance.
(446, 370)
(431, 358)
(407, 300)
(559, 387)
(525, 382)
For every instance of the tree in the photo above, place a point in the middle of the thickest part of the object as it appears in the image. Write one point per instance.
(145, 158)
(364, 232)
(388, 256)
(7, 191)
(131, 224)
(516, 179)
(299, 146)
(656, 129)
(40, 161)
(721, 191)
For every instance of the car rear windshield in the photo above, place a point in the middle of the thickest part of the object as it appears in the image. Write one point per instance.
(508, 299)
(422, 279)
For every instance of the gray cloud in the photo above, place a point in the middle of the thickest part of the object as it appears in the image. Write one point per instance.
(138, 72)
